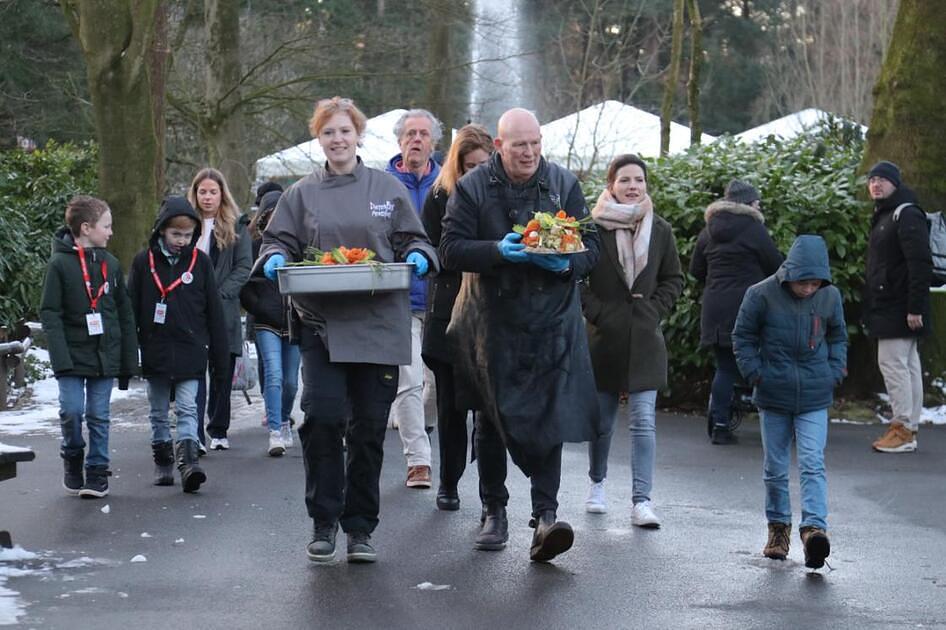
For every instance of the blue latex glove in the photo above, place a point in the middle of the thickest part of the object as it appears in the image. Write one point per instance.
(274, 261)
(511, 248)
(550, 262)
(420, 263)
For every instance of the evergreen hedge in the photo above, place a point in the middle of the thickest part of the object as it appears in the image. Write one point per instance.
(34, 189)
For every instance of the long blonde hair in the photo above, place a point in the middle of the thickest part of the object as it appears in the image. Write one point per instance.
(228, 213)
(468, 139)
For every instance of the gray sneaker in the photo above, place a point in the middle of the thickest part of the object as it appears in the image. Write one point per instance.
(360, 549)
(322, 547)
(286, 431)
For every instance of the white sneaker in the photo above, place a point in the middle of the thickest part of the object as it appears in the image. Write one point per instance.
(276, 445)
(642, 515)
(219, 444)
(286, 434)
(596, 503)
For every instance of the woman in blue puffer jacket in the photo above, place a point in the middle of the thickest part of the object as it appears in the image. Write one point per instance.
(790, 342)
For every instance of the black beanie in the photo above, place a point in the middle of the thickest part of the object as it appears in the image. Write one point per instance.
(739, 191)
(887, 170)
(264, 188)
(269, 200)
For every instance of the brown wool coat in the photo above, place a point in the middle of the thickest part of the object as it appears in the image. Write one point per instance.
(628, 352)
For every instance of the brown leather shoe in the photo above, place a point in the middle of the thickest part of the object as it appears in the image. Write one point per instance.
(418, 477)
(779, 538)
(817, 546)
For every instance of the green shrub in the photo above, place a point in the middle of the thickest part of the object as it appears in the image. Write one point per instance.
(34, 189)
(809, 185)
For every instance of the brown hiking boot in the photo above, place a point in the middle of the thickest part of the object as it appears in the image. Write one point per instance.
(777, 546)
(817, 546)
(897, 439)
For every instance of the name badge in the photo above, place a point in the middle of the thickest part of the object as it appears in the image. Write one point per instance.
(94, 323)
(160, 312)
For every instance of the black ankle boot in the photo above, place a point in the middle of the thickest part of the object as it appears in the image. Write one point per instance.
(192, 475)
(551, 537)
(72, 473)
(96, 482)
(495, 531)
(447, 498)
(163, 453)
(723, 435)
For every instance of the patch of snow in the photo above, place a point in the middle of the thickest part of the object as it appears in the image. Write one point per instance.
(146, 535)
(846, 421)
(139, 558)
(84, 561)
(105, 509)
(428, 586)
(200, 516)
(179, 541)
(11, 606)
(17, 553)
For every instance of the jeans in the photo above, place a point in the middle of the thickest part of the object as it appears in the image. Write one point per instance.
(407, 410)
(81, 397)
(343, 486)
(810, 431)
(727, 373)
(642, 407)
(217, 405)
(281, 370)
(185, 408)
(899, 363)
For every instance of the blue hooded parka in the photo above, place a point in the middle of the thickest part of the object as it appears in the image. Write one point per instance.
(793, 350)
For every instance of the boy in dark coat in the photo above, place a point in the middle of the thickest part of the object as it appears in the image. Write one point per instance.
(88, 321)
(180, 320)
(790, 342)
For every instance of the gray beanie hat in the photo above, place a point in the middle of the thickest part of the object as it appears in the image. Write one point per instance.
(739, 191)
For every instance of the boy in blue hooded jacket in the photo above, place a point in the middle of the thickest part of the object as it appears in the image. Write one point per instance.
(790, 342)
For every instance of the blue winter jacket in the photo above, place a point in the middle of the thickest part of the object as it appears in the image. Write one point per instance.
(418, 188)
(793, 350)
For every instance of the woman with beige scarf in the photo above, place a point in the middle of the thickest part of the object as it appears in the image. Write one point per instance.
(631, 289)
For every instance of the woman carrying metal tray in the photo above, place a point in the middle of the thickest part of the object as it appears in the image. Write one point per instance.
(351, 343)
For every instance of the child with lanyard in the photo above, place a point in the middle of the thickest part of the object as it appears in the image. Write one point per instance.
(180, 324)
(88, 321)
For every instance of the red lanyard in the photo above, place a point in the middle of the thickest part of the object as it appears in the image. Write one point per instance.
(88, 279)
(176, 283)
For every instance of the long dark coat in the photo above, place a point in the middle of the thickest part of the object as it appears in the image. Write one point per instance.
(732, 253)
(517, 328)
(231, 270)
(442, 290)
(899, 266)
(628, 351)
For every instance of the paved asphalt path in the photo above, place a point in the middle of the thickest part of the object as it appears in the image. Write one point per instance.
(233, 555)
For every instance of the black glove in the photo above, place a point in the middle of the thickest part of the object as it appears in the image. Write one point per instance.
(123, 382)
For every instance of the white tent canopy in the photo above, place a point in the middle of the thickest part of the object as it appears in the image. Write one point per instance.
(378, 146)
(788, 126)
(590, 138)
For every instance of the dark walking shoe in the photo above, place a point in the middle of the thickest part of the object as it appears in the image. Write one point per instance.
(722, 434)
(72, 477)
(360, 549)
(495, 532)
(96, 483)
(192, 475)
(448, 499)
(779, 539)
(322, 547)
(551, 537)
(163, 453)
(817, 546)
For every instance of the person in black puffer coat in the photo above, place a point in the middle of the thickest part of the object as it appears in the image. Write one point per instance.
(897, 299)
(733, 252)
(261, 298)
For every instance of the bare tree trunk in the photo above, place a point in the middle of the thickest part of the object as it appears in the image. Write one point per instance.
(221, 123)
(158, 61)
(673, 75)
(696, 62)
(438, 57)
(115, 38)
(909, 117)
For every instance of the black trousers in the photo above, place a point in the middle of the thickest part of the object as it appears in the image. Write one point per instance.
(217, 407)
(451, 425)
(545, 479)
(336, 489)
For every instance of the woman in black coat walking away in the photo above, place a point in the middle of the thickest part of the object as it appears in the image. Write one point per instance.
(733, 252)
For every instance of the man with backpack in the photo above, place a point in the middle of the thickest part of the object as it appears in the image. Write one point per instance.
(897, 299)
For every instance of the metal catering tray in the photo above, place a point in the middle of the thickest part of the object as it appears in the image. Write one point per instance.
(362, 278)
